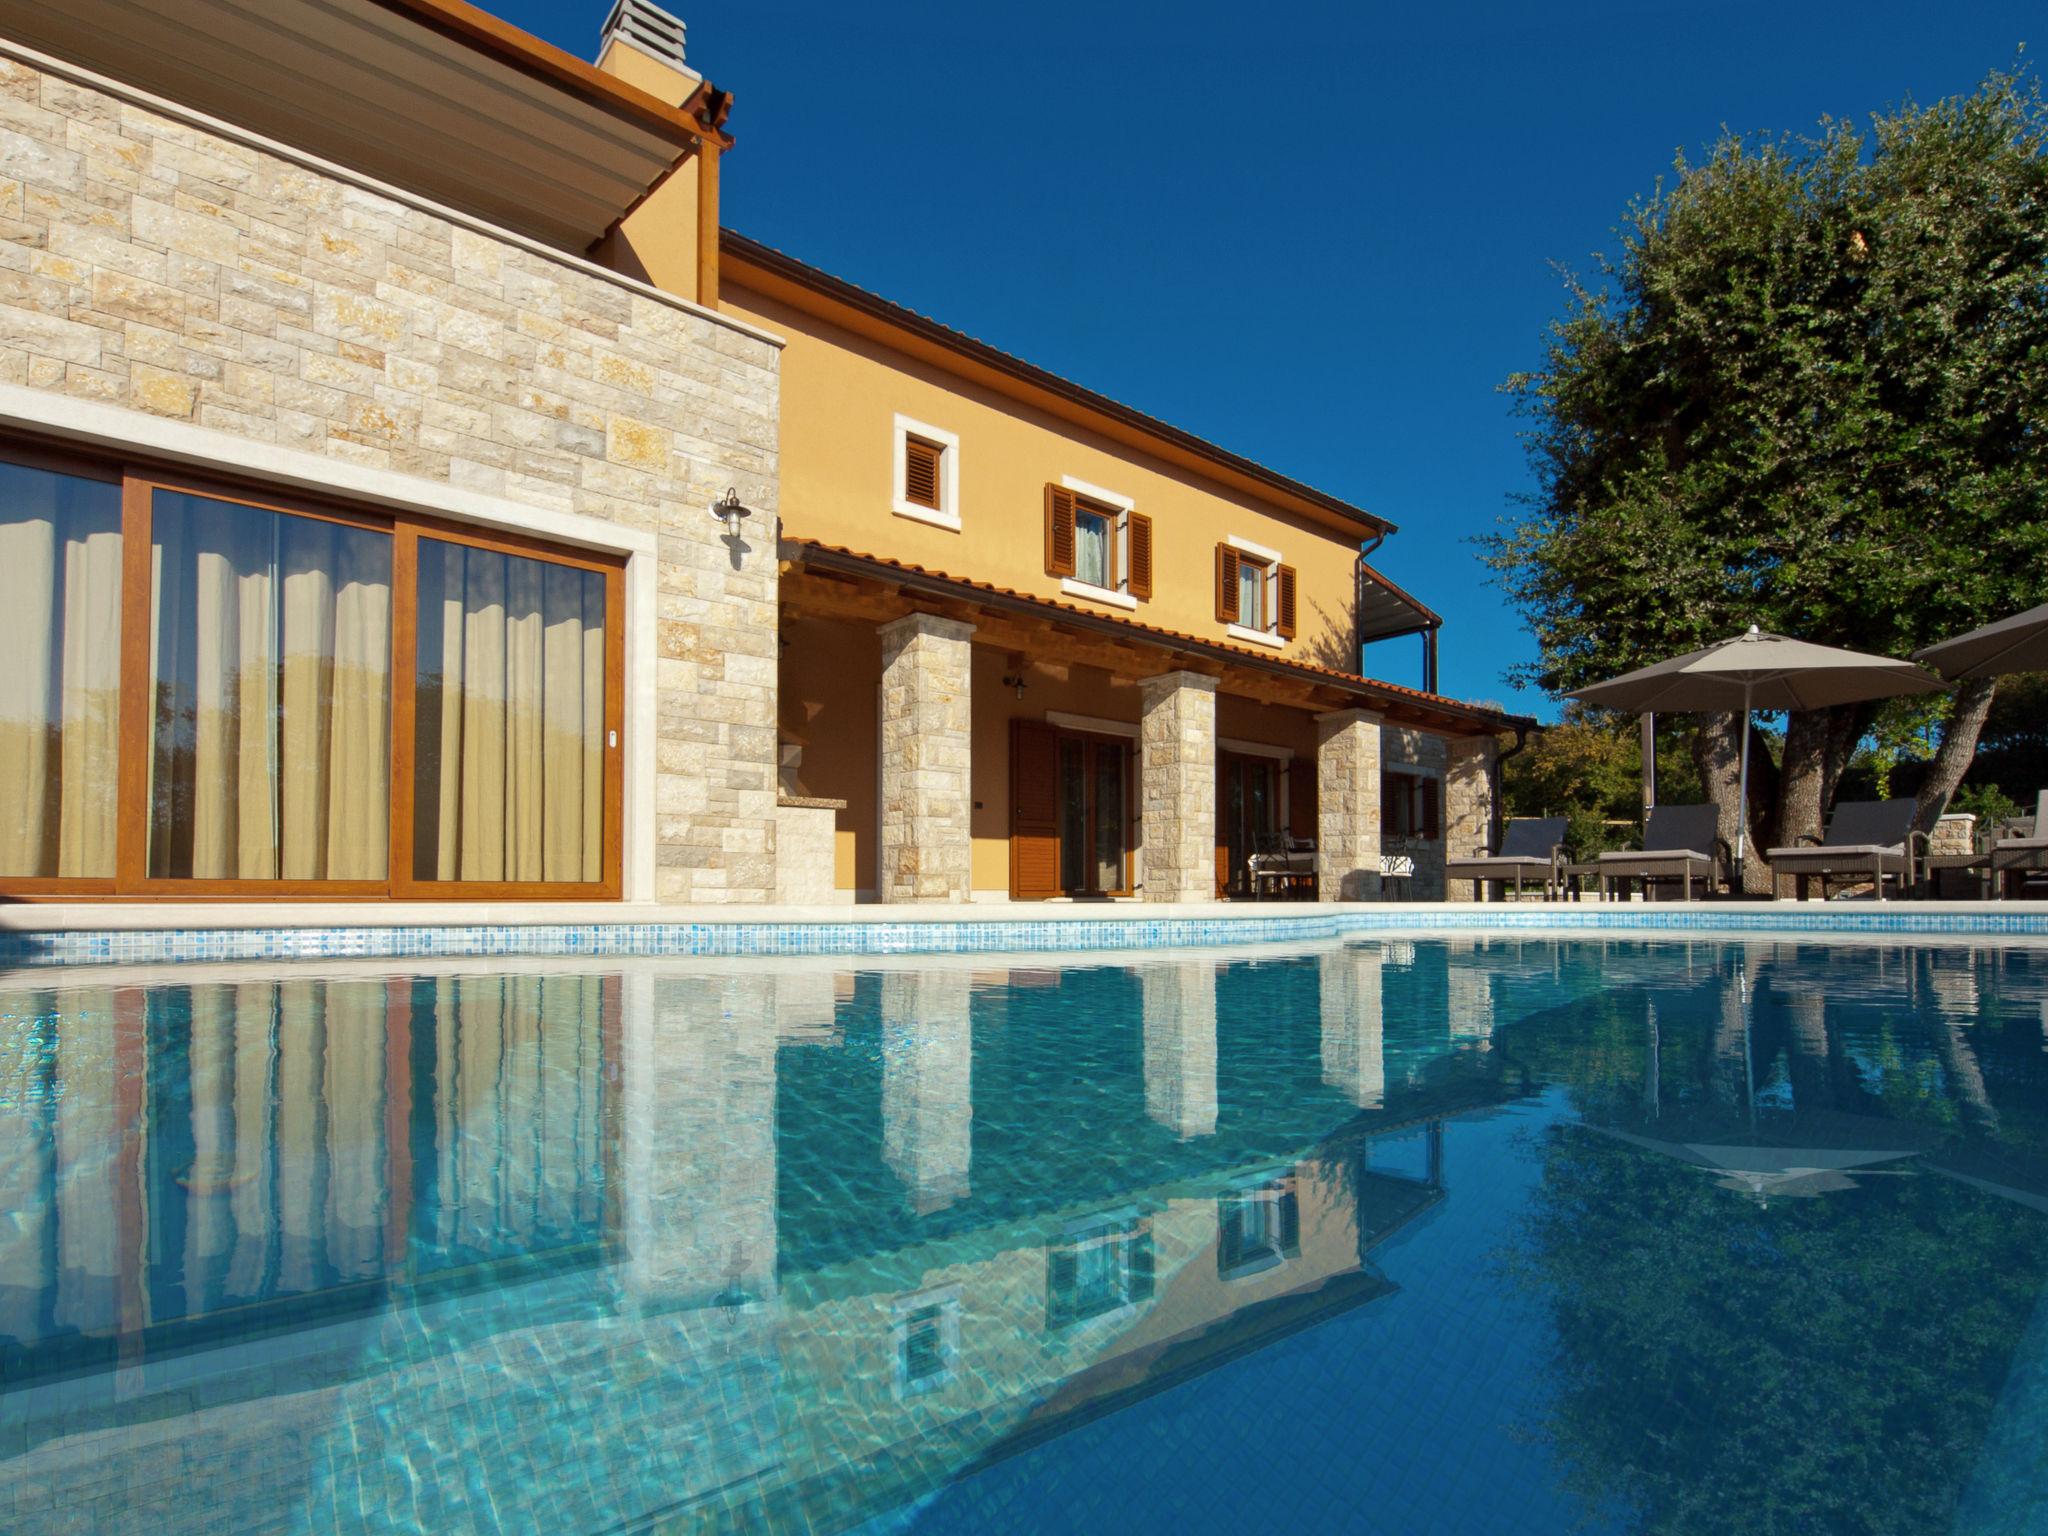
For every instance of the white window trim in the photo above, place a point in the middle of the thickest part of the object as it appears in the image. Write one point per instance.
(96, 424)
(1270, 635)
(947, 513)
(1095, 723)
(1256, 551)
(1096, 493)
(1069, 587)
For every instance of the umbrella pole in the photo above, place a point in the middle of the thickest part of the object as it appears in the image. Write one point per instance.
(1742, 788)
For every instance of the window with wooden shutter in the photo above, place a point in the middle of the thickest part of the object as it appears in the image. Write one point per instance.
(1226, 584)
(921, 472)
(1034, 811)
(1059, 531)
(1432, 809)
(1139, 535)
(1283, 602)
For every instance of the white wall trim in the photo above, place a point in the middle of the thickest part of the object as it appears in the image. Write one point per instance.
(1115, 499)
(1095, 723)
(226, 130)
(95, 424)
(1069, 587)
(1257, 637)
(947, 513)
(1255, 748)
(1256, 551)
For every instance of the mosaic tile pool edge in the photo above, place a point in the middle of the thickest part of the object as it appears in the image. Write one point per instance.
(168, 946)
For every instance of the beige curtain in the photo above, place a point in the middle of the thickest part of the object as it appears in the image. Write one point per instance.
(273, 659)
(60, 672)
(511, 778)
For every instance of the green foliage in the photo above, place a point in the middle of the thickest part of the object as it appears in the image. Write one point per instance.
(1807, 395)
(1589, 769)
(2013, 749)
(1988, 803)
(1902, 731)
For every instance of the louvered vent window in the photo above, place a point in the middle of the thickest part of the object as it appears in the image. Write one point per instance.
(921, 462)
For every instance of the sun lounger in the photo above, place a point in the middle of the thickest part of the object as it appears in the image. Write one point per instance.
(1531, 848)
(1867, 840)
(2014, 857)
(1679, 842)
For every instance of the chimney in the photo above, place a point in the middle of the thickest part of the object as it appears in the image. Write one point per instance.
(648, 29)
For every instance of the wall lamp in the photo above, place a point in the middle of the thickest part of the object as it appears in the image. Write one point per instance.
(731, 511)
(1016, 682)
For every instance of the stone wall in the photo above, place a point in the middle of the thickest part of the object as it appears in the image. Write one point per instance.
(154, 266)
(1177, 786)
(927, 749)
(1406, 750)
(1348, 806)
(1470, 790)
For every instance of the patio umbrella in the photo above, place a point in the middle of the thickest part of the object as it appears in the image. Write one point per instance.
(1758, 671)
(2017, 644)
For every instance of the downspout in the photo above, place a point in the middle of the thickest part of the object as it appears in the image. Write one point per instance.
(1521, 741)
(1358, 600)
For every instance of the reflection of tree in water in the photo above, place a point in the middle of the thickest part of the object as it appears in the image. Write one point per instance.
(1816, 1365)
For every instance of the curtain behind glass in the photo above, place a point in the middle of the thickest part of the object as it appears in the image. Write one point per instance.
(272, 660)
(60, 672)
(509, 724)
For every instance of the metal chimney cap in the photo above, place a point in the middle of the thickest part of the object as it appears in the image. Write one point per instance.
(655, 32)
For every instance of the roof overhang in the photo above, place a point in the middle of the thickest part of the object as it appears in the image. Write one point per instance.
(432, 96)
(825, 581)
(767, 271)
(1385, 612)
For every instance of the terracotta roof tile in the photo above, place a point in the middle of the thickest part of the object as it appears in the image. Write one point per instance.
(1174, 638)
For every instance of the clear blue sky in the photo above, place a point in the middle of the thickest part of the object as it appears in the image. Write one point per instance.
(1320, 235)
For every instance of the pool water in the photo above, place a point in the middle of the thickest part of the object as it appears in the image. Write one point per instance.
(1507, 1234)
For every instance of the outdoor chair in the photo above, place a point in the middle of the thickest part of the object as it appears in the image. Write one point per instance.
(1679, 842)
(1869, 840)
(1531, 848)
(2020, 851)
(1283, 865)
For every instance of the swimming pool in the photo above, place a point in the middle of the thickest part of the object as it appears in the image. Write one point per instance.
(1459, 1233)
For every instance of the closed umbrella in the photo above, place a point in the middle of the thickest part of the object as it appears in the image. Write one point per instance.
(2017, 644)
(1759, 671)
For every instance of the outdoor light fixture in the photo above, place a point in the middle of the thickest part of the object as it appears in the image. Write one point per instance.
(1016, 682)
(731, 511)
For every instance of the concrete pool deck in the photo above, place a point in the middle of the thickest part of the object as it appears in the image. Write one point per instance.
(91, 933)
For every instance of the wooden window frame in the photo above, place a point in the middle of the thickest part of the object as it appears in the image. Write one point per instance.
(139, 479)
(1112, 521)
(1421, 798)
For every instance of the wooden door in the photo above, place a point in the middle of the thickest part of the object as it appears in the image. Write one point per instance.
(1034, 811)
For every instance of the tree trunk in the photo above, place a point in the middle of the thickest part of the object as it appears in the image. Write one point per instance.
(1958, 747)
(1847, 724)
(1802, 788)
(1716, 747)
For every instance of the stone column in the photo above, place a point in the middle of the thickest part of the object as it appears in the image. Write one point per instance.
(928, 1084)
(1180, 1046)
(1348, 805)
(1354, 1024)
(926, 747)
(1177, 786)
(1470, 793)
(697, 1138)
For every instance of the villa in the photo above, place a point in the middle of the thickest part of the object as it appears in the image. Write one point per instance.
(413, 493)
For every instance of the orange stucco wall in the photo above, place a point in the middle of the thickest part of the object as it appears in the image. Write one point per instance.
(840, 395)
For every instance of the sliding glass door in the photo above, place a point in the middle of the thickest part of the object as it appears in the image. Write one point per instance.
(215, 693)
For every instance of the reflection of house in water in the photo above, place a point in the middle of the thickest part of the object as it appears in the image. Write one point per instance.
(776, 1240)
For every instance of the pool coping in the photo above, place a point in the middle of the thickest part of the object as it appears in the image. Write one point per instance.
(31, 939)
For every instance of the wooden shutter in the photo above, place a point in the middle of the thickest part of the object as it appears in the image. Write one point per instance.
(1059, 531)
(1432, 809)
(1284, 606)
(1034, 811)
(1226, 584)
(1392, 822)
(1301, 797)
(921, 472)
(1139, 528)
